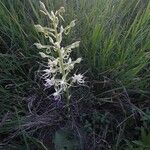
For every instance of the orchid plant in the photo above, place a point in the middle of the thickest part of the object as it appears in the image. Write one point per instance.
(59, 64)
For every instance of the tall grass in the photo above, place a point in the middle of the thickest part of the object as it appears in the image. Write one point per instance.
(114, 34)
(115, 38)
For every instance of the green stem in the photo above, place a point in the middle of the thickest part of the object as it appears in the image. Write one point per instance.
(61, 64)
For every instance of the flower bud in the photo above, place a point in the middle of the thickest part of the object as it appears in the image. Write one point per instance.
(72, 23)
(42, 5)
(62, 10)
(74, 45)
(51, 40)
(38, 45)
(39, 28)
(78, 60)
(43, 55)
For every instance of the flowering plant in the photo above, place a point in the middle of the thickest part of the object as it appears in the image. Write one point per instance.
(60, 64)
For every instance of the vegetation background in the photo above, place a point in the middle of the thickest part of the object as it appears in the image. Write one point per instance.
(113, 112)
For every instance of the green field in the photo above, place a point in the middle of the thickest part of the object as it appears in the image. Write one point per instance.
(110, 111)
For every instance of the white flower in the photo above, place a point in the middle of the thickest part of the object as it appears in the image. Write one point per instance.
(69, 65)
(78, 78)
(63, 84)
(49, 82)
(57, 95)
(47, 73)
(52, 63)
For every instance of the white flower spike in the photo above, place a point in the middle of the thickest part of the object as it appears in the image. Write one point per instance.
(59, 62)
